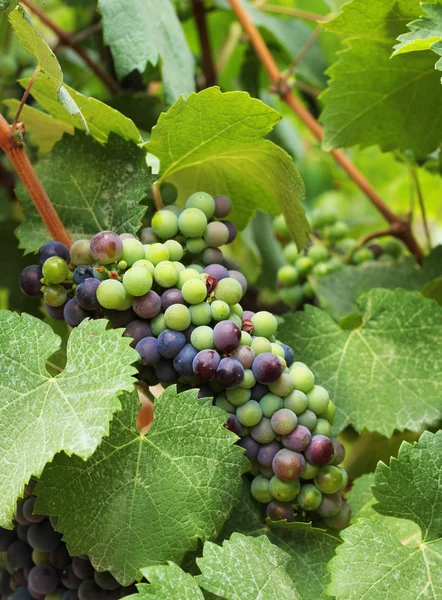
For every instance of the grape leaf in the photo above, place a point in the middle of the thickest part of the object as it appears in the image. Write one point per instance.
(213, 141)
(42, 415)
(101, 119)
(373, 373)
(433, 289)
(339, 291)
(169, 488)
(372, 563)
(246, 568)
(31, 40)
(6, 6)
(92, 187)
(150, 30)
(370, 95)
(45, 130)
(166, 582)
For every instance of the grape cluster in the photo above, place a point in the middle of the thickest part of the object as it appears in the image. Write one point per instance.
(182, 309)
(35, 563)
(329, 250)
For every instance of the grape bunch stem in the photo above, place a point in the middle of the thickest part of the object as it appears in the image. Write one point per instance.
(402, 227)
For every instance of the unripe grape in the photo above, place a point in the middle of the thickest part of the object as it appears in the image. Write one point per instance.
(284, 421)
(284, 491)
(204, 202)
(309, 497)
(165, 224)
(260, 489)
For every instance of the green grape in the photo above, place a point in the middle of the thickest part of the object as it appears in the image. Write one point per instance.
(260, 489)
(270, 403)
(393, 248)
(196, 267)
(81, 253)
(321, 269)
(361, 256)
(165, 224)
(264, 324)
(156, 253)
(55, 269)
(111, 294)
(175, 249)
(263, 432)
(229, 290)
(137, 281)
(122, 264)
(293, 296)
(261, 345)
(235, 319)
(249, 414)
(304, 265)
(238, 396)
(329, 479)
(283, 386)
(296, 401)
(290, 253)
(280, 227)
(237, 309)
(309, 292)
(310, 470)
(303, 378)
(336, 232)
(216, 234)
(322, 427)
(177, 317)
(246, 338)
(329, 413)
(308, 419)
(276, 349)
(194, 291)
(133, 250)
(322, 217)
(318, 399)
(345, 246)
(158, 324)
(192, 222)
(178, 266)
(202, 338)
(145, 264)
(287, 275)
(54, 295)
(222, 402)
(309, 497)
(186, 275)
(334, 264)
(200, 314)
(220, 310)
(203, 202)
(344, 479)
(284, 491)
(195, 245)
(165, 274)
(318, 253)
(248, 379)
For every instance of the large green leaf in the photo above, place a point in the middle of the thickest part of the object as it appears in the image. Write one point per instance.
(41, 415)
(166, 582)
(372, 563)
(213, 141)
(163, 490)
(374, 374)
(143, 33)
(93, 188)
(31, 40)
(371, 96)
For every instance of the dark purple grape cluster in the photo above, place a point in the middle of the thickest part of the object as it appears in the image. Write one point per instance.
(36, 564)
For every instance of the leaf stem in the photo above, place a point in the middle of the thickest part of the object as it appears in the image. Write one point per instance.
(15, 151)
(156, 195)
(392, 230)
(420, 198)
(66, 39)
(209, 70)
(402, 226)
(292, 12)
(308, 44)
(23, 100)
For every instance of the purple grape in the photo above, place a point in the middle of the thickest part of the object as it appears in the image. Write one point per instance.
(320, 450)
(289, 355)
(233, 424)
(137, 330)
(165, 371)
(188, 332)
(82, 273)
(106, 580)
(230, 373)
(82, 567)
(74, 314)
(267, 368)
(147, 348)
(184, 359)
(106, 247)
(22, 532)
(266, 471)
(69, 579)
(205, 364)
(43, 579)
(339, 452)
(217, 271)
(42, 537)
(205, 392)
(239, 277)
(59, 558)
(170, 297)
(341, 519)
(279, 511)
(170, 342)
(148, 375)
(55, 312)
(248, 314)
(226, 336)
(223, 206)
(288, 465)
(121, 318)
(212, 256)
(147, 306)
(19, 516)
(5, 580)
(70, 595)
(7, 536)
(330, 505)
(29, 281)
(250, 445)
(267, 453)
(53, 249)
(263, 432)
(28, 511)
(147, 236)
(20, 576)
(259, 391)
(232, 231)
(20, 554)
(245, 355)
(86, 294)
(298, 439)
(283, 421)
